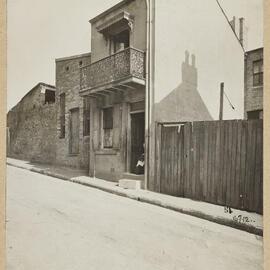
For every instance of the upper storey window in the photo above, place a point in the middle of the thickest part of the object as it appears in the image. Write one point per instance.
(117, 29)
(258, 73)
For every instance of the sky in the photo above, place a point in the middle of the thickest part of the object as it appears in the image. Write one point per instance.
(40, 31)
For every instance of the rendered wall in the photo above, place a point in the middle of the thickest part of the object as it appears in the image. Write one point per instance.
(194, 51)
(100, 45)
(200, 28)
(111, 163)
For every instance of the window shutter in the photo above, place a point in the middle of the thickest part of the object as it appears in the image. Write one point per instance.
(117, 126)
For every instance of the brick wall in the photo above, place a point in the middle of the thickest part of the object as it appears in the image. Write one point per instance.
(68, 82)
(253, 94)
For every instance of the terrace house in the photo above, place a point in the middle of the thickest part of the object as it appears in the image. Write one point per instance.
(115, 83)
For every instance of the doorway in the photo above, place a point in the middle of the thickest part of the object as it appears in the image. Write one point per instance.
(137, 139)
(74, 131)
(120, 41)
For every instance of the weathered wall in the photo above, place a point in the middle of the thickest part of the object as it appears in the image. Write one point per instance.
(100, 45)
(106, 163)
(32, 129)
(111, 163)
(253, 94)
(68, 82)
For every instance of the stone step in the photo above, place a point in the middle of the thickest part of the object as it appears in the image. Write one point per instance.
(129, 184)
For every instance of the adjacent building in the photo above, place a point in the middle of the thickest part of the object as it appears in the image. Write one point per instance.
(31, 126)
(254, 84)
(72, 113)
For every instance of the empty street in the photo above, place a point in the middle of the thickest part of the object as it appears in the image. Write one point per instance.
(55, 224)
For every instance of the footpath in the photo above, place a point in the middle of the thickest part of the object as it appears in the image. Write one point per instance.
(243, 220)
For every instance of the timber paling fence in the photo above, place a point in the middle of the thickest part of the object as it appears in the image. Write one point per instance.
(220, 162)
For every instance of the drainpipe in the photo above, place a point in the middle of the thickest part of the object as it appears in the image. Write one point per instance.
(146, 150)
(149, 88)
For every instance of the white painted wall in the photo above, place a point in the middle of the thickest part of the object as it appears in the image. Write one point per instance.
(199, 27)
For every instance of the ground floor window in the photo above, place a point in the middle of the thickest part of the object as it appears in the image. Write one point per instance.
(258, 114)
(108, 127)
(62, 115)
(74, 128)
(86, 116)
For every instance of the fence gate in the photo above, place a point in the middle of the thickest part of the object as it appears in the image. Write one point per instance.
(214, 161)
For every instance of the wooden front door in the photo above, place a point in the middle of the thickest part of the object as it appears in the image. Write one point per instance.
(74, 131)
(137, 139)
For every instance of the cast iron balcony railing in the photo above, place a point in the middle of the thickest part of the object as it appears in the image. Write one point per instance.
(126, 64)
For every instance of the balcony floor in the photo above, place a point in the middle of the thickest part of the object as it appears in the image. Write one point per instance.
(121, 85)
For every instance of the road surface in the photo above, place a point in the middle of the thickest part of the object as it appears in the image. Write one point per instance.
(54, 224)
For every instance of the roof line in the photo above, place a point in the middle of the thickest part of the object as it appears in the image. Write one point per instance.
(257, 49)
(72, 57)
(104, 13)
(40, 83)
(46, 84)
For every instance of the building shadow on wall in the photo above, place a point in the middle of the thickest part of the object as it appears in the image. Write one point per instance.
(184, 103)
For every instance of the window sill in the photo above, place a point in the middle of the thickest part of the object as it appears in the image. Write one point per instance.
(106, 152)
(73, 155)
(257, 86)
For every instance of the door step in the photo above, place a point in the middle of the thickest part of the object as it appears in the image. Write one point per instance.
(133, 176)
(129, 184)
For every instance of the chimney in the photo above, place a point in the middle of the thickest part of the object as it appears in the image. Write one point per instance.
(186, 57)
(189, 71)
(241, 31)
(193, 61)
(232, 23)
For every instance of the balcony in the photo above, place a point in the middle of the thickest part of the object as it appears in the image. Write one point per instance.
(122, 70)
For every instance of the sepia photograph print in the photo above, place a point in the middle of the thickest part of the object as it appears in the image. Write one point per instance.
(134, 135)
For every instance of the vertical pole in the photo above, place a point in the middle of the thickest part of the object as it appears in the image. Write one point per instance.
(221, 101)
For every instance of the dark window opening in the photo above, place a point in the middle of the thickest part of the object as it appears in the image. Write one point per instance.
(62, 115)
(49, 96)
(74, 128)
(67, 68)
(86, 116)
(255, 114)
(80, 63)
(120, 41)
(108, 127)
(258, 73)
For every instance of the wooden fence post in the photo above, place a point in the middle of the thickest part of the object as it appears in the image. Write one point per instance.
(221, 101)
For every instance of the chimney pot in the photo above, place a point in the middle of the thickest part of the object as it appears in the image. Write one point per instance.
(193, 60)
(241, 30)
(186, 57)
